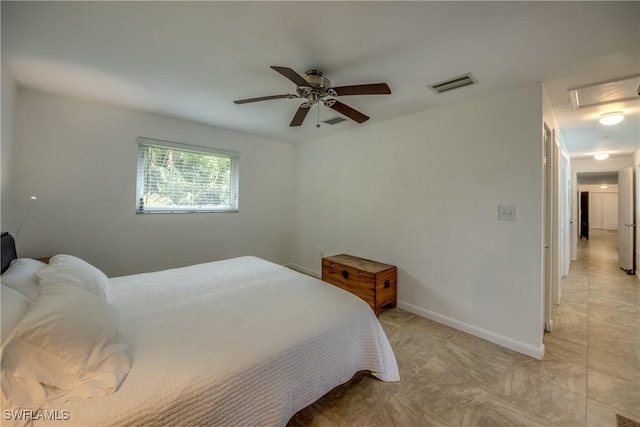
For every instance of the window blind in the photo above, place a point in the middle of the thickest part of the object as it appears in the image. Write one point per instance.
(176, 178)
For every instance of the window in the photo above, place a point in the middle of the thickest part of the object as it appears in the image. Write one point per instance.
(175, 178)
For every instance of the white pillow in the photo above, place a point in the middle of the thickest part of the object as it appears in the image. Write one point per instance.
(66, 347)
(69, 270)
(14, 304)
(20, 276)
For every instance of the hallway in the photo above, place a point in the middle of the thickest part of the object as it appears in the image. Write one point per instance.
(598, 323)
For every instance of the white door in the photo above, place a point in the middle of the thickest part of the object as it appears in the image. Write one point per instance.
(575, 211)
(625, 220)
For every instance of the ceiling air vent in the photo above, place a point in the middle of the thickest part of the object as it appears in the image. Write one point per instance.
(454, 83)
(334, 121)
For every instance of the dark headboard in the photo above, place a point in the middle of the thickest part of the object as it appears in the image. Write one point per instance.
(8, 250)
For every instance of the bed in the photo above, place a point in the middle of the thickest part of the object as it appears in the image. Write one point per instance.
(235, 342)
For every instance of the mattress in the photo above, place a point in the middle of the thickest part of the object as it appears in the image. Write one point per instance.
(237, 342)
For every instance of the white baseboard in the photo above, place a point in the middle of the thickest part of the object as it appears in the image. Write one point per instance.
(527, 349)
(304, 270)
(549, 326)
(535, 352)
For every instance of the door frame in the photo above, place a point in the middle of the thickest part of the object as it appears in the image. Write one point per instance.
(626, 219)
(550, 221)
(637, 218)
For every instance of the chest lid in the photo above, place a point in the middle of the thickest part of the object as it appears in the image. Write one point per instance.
(359, 263)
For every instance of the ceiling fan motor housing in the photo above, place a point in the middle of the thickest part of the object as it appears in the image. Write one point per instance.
(319, 87)
(315, 79)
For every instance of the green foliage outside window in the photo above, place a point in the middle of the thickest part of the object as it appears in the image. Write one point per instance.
(188, 180)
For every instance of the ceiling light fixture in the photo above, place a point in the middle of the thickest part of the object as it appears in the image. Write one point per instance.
(604, 186)
(601, 156)
(610, 119)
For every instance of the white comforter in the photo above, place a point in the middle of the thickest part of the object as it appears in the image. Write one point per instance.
(238, 342)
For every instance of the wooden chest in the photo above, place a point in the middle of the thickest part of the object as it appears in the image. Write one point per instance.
(374, 282)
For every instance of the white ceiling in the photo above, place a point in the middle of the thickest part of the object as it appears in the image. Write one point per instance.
(193, 59)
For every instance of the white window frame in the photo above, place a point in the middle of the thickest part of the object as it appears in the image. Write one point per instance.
(143, 142)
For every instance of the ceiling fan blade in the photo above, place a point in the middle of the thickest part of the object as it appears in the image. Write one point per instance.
(347, 111)
(291, 75)
(369, 89)
(298, 118)
(263, 98)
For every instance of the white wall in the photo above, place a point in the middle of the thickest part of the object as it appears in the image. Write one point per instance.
(8, 97)
(79, 158)
(422, 192)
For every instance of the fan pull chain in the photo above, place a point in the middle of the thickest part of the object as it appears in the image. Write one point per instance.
(318, 125)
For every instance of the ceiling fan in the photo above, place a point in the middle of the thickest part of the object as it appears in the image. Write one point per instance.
(315, 89)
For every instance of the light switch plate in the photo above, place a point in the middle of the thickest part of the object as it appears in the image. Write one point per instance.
(507, 212)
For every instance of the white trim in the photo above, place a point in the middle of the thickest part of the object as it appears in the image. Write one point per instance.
(535, 352)
(303, 270)
(185, 209)
(141, 140)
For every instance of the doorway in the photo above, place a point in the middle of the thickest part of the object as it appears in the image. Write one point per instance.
(607, 202)
(584, 215)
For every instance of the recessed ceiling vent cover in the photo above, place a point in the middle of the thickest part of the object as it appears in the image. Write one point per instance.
(334, 121)
(623, 89)
(454, 83)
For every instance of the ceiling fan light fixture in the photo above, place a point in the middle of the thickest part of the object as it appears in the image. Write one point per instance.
(601, 156)
(610, 119)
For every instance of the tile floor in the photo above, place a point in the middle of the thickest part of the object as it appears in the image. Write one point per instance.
(590, 371)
